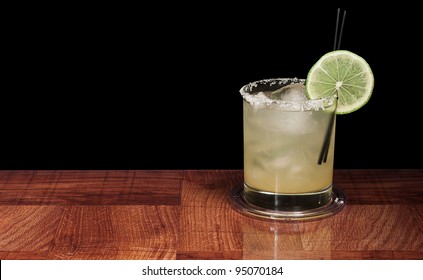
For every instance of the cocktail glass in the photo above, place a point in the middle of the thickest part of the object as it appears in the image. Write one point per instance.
(288, 153)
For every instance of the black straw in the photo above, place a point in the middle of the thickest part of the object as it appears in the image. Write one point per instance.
(336, 45)
(342, 28)
(336, 30)
(326, 143)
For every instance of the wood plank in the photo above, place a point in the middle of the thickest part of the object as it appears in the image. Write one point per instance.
(23, 255)
(363, 255)
(207, 228)
(91, 188)
(417, 211)
(3, 255)
(116, 232)
(28, 228)
(381, 186)
(209, 255)
(287, 255)
(207, 188)
(214, 178)
(407, 255)
(365, 228)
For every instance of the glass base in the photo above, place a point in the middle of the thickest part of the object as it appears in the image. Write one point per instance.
(288, 202)
(287, 207)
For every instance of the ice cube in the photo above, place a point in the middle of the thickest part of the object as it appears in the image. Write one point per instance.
(292, 92)
(257, 99)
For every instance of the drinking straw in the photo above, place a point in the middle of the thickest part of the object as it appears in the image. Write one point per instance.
(325, 149)
(337, 42)
(336, 46)
(342, 28)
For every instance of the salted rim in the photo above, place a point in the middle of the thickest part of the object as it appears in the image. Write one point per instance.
(306, 105)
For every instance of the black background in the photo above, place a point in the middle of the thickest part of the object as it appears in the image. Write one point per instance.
(157, 86)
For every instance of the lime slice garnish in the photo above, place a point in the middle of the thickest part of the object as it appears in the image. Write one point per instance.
(344, 74)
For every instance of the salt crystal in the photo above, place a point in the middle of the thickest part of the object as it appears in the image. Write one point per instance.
(289, 94)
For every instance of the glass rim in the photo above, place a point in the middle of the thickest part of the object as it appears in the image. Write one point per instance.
(286, 105)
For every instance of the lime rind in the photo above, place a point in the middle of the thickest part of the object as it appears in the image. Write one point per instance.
(344, 74)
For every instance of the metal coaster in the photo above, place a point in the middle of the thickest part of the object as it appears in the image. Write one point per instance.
(239, 202)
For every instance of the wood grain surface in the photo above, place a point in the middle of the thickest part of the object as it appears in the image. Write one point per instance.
(186, 214)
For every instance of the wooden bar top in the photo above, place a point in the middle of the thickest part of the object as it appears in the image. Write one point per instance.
(186, 214)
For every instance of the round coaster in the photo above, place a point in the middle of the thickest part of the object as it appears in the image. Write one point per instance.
(239, 202)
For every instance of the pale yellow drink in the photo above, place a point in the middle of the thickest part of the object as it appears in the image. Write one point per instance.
(284, 135)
